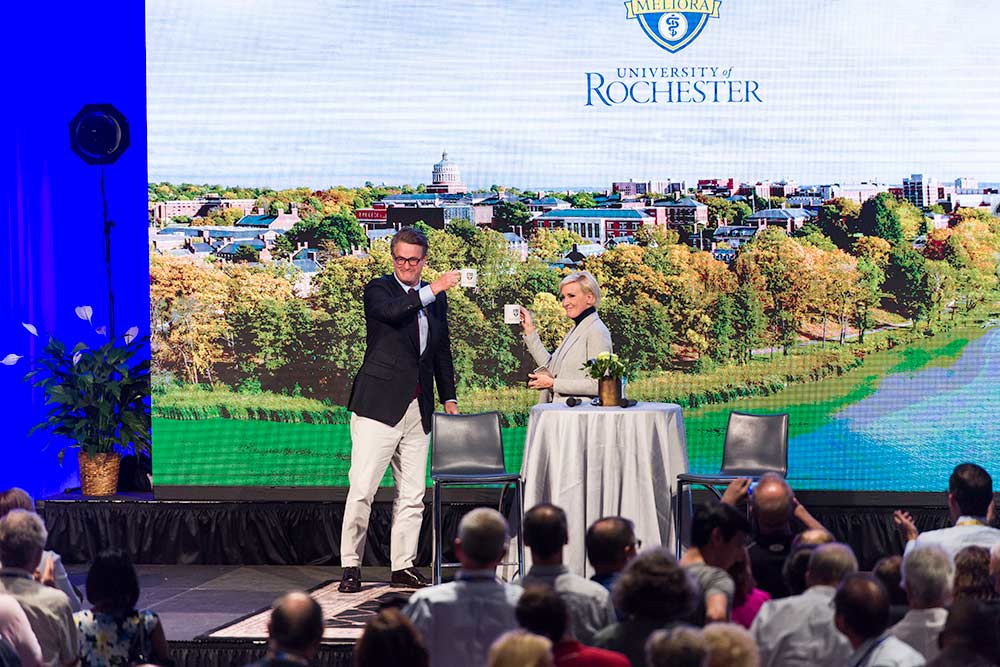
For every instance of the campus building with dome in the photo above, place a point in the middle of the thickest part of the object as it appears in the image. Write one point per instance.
(445, 179)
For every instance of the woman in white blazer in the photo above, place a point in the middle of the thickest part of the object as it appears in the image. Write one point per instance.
(589, 337)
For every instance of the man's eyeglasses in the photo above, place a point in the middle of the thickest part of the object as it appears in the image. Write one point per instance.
(407, 261)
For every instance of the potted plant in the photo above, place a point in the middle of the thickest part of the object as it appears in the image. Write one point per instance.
(608, 370)
(98, 398)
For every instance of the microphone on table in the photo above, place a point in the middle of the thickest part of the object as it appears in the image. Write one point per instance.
(573, 401)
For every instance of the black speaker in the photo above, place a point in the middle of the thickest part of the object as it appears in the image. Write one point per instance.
(99, 133)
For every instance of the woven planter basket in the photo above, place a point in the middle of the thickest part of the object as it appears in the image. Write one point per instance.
(99, 473)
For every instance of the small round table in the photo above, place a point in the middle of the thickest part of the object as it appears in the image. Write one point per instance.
(595, 462)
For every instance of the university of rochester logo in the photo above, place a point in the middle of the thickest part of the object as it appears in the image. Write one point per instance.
(673, 24)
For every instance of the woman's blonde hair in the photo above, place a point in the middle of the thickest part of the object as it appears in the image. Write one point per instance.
(729, 645)
(588, 283)
(520, 648)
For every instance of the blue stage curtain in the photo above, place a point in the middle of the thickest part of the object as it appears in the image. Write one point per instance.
(58, 57)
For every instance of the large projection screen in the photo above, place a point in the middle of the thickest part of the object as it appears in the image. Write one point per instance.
(858, 143)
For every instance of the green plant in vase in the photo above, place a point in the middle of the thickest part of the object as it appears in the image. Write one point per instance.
(608, 369)
(97, 398)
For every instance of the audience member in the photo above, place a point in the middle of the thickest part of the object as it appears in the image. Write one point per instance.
(777, 517)
(16, 631)
(889, 572)
(543, 611)
(968, 638)
(681, 647)
(653, 592)
(995, 567)
(50, 571)
(970, 504)
(730, 645)
(388, 636)
(294, 631)
(8, 656)
(610, 544)
(460, 620)
(22, 540)
(719, 535)
(794, 569)
(793, 572)
(589, 603)
(747, 598)
(798, 630)
(114, 630)
(972, 574)
(862, 615)
(928, 575)
(517, 648)
(812, 538)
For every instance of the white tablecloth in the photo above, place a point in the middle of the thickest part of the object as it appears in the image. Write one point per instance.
(595, 462)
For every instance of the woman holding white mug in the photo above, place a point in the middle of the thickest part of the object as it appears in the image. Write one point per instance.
(561, 374)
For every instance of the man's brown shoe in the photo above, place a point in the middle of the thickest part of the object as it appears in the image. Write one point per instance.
(408, 578)
(350, 582)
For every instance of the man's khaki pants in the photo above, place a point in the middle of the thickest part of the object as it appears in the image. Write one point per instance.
(375, 446)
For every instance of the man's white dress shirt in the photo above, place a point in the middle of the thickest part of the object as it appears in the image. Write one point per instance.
(920, 629)
(798, 631)
(967, 531)
(460, 620)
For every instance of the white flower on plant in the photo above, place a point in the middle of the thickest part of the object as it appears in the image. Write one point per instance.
(76, 357)
(10, 359)
(84, 312)
(30, 327)
(131, 334)
(101, 331)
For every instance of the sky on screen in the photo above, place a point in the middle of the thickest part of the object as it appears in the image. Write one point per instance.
(300, 92)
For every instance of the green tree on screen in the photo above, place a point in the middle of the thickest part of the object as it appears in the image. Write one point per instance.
(583, 200)
(513, 217)
(879, 219)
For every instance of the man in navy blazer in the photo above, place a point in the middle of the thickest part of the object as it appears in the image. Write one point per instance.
(408, 352)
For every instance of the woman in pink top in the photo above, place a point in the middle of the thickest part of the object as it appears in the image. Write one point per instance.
(747, 599)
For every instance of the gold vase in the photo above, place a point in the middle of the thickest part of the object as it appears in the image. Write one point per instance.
(609, 391)
(99, 473)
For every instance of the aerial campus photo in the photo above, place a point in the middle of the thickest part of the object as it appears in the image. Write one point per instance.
(867, 311)
(828, 248)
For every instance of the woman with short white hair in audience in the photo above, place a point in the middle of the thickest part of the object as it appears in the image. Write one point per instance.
(729, 645)
(928, 577)
(520, 648)
(50, 571)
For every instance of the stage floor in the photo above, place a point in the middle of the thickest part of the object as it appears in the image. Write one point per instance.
(193, 600)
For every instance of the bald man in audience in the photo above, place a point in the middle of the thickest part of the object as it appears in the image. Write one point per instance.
(798, 631)
(862, 615)
(778, 518)
(294, 632)
(610, 544)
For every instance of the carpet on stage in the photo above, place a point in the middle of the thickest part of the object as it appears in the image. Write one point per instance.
(345, 614)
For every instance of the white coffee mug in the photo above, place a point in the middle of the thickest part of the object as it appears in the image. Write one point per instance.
(469, 278)
(512, 314)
